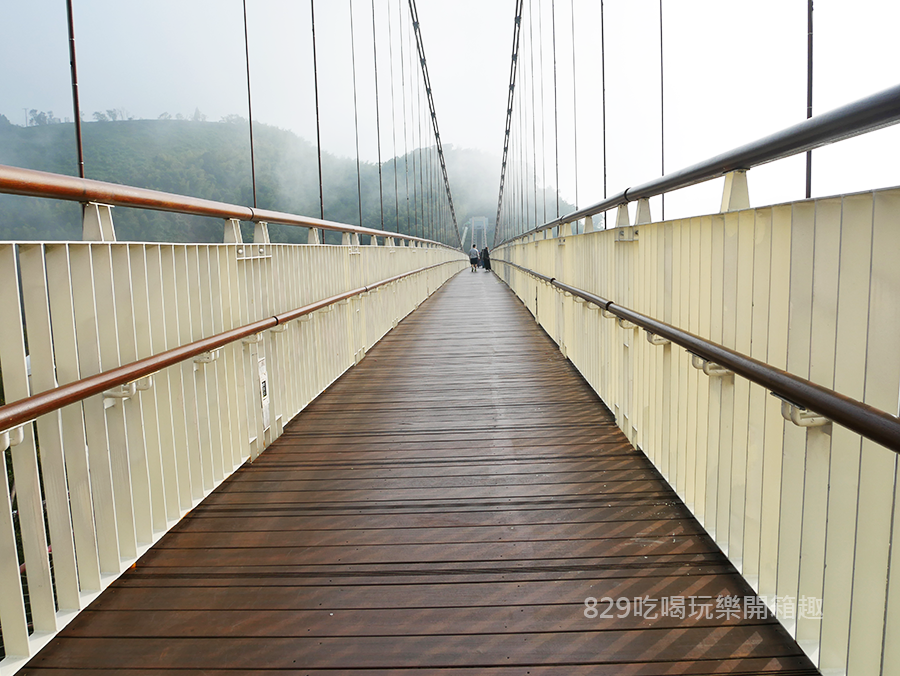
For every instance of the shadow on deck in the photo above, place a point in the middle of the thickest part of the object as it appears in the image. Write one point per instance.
(448, 504)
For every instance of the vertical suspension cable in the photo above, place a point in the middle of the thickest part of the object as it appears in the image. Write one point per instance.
(523, 145)
(603, 85)
(73, 68)
(662, 110)
(430, 174)
(555, 103)
(521, 140)
(405, 146)
(575, 102)
(393, 119)
(312, 11)
(377, 116)
(421, 159)
(413, 116)
(543, 125)
(533, 113)
(355, 113)
(249, 105)
(809, 89)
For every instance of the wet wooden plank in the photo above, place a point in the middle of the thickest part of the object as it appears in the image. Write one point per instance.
(446, 507)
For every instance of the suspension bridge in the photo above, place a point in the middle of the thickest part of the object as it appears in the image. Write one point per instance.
(635, 446)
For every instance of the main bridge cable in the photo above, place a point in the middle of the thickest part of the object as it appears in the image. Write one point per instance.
(437, 134)
(509, 112)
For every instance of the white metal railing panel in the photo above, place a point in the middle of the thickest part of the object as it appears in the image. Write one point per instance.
(113, 472)
(807, 514)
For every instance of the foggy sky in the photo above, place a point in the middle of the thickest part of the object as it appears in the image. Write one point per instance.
(734, 71)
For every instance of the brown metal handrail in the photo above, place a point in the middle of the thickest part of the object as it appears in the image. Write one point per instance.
(870, 422)
(25, 410)
(31, 183)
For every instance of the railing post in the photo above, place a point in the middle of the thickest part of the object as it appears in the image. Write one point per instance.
(735, 194)
(313, 237)
(233, 232)
(261, 233)
(642, 217)
(97, 223)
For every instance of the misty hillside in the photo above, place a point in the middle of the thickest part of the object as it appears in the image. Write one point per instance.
(211, 160)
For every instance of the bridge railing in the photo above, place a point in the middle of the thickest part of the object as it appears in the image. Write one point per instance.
(805, 507)
(139, 376)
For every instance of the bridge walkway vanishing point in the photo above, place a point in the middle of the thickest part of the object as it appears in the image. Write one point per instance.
(447, 504)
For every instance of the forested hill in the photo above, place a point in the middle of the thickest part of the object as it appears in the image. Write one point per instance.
(211, 160)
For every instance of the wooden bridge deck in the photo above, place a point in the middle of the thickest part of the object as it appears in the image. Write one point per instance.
(446, 506)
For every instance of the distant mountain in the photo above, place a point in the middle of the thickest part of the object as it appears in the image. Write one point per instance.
(211, 160)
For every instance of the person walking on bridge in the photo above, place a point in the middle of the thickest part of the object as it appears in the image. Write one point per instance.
(473, 258)
(486, 259)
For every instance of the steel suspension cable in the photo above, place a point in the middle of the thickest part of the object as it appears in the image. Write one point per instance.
(393, 119)
(662, 111)
(523, 146)
(430, 173)
(377, 116)
(249, 104)
(520, 170)
(414, 123)
(355, 114)
(437, 134)
(555, 103)
(312, 11)
(533, 112)
(73, 74)
(543, 125)
(405, 138)
(809, 89)
(603, 98)
(509, 112)
(575, 100)
(421, 172)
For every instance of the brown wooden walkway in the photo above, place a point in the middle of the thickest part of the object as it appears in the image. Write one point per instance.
(446, 506)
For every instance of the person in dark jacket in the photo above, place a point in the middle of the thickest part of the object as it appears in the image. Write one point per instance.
(486, 259)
